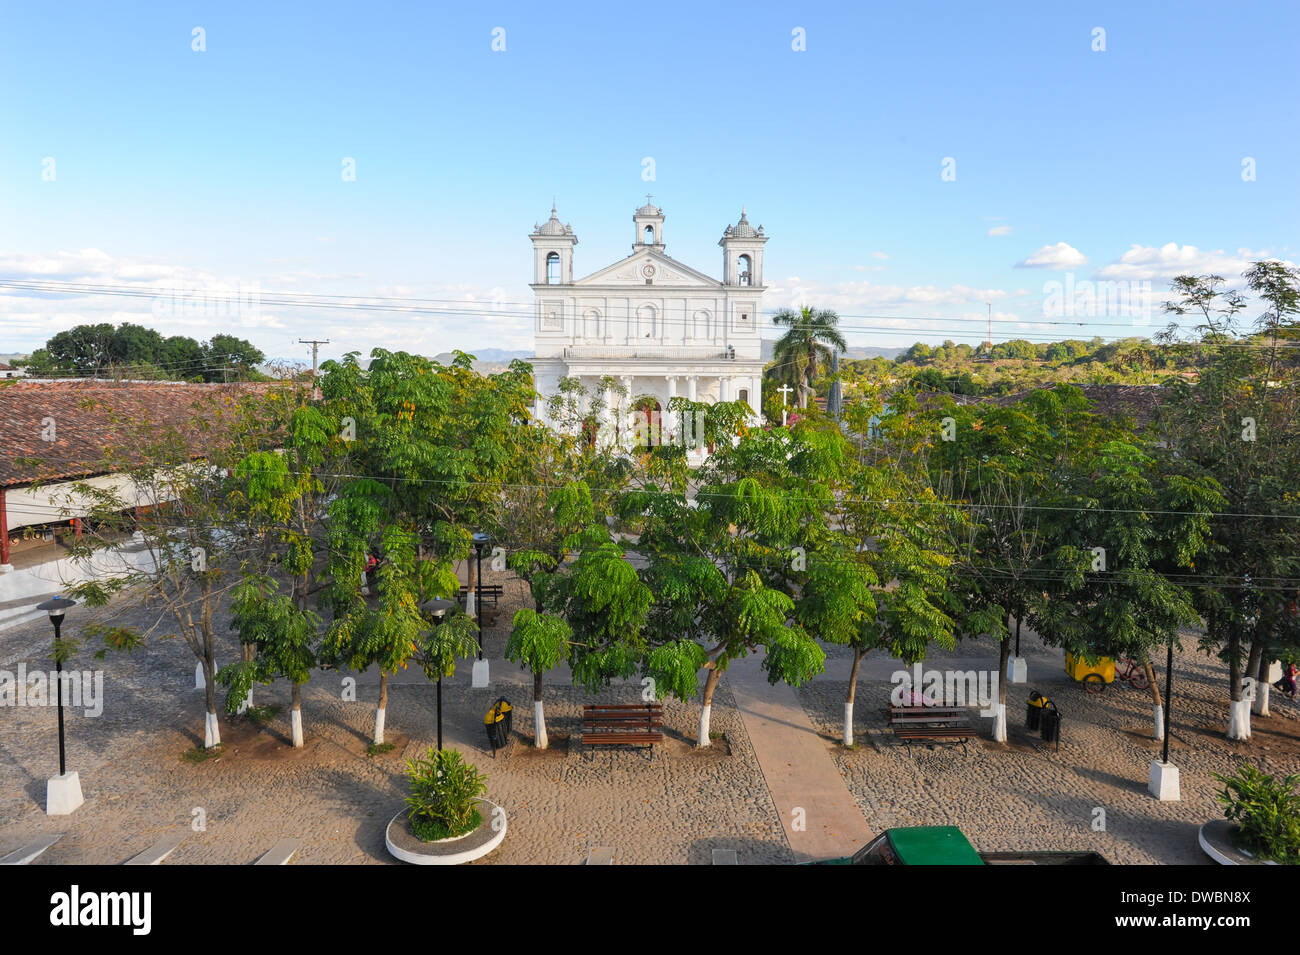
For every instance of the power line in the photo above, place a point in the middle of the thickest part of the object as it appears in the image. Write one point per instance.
(521, 311)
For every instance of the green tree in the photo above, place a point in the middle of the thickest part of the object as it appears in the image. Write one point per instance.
(806, 345)
(182, 511)
(1238, 425)
(722, 564)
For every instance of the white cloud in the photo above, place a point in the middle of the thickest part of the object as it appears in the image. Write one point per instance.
(864, 294)
(1000, 230)
(1059, 256)
(200, 304)
(1146, 262)
(879, 255)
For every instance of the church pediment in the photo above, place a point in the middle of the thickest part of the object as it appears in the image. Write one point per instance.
(644, 265)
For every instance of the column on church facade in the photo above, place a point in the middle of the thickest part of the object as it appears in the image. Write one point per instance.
(724, 388)
(691, 381)
(608, 415)
(629, 420)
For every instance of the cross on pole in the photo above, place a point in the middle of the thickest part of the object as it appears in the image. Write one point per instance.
(785, 392)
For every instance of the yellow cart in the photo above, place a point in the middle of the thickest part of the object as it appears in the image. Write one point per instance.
(1093, 676)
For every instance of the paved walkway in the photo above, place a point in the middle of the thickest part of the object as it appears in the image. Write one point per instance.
(820, 816)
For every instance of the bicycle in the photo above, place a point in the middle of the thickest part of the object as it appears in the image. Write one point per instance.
(1133, 672)
(1130, 671)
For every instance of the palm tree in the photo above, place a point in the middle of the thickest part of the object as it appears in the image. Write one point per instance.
(806, 343)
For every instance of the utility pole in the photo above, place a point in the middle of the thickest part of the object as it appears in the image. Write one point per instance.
(989, 341)
(314, 343)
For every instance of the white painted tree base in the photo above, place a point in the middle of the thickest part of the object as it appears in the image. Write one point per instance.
(63, 794)
(1158, 718)
(539, 725)
(1239, 720)
(1261, 698)
(295, 727)
(248, 701)
(211, 731)
(1017, 670)
(1274, 672)
(703, 738)
(480, 675)
(1163, 782)
(379, 726)
(200, 683)
(848, 724)
(999, 722)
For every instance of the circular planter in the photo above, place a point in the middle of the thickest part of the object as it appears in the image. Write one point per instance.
(1216, 839)
(405, 845)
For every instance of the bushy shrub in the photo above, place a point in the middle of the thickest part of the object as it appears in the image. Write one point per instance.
(1266, 810)
(444, 795)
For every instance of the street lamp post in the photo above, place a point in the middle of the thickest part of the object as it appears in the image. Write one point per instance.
(63, 792)
(480, 674)
(1164, 782)
(437, 608)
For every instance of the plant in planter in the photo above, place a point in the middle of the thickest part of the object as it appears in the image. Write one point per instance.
(1266, 811)
(444, 795)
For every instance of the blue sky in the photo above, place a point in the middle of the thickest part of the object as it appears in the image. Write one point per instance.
(221, 168)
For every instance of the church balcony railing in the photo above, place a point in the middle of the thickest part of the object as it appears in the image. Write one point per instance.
(649, 352)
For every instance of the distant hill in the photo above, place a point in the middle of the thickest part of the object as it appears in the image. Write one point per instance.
(487, 361)
(852, 352)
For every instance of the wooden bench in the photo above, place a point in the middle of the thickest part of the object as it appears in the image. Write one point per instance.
(489, 590)
(925, 723)
(623, 724)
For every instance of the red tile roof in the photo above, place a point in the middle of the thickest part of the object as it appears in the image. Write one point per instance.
(93, 423)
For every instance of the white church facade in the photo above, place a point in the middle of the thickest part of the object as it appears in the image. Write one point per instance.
(659, 327)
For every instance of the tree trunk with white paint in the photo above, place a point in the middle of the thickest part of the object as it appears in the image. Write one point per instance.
(1238, 724)
(1158, 708)
(295, 717)
(1000, 711)
(710, 684)
(382, 709)
(540, 739)
(1262, 685)
(1239, 720)
(858, 654)
(211, 728)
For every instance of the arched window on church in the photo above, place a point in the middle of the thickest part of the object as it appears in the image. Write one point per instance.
(744, 267)
(553, 269)
(647, 326)
(649, 235)
(744, 396)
